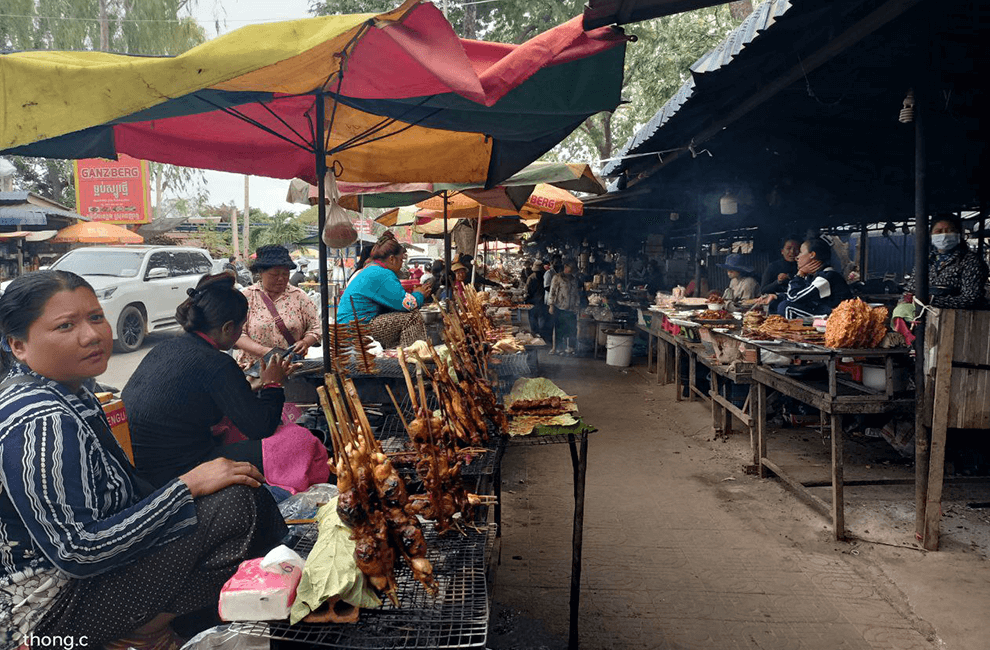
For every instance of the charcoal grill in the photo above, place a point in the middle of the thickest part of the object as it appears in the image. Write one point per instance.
(457, 617)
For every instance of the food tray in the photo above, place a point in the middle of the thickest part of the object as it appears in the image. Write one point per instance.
(457, 617)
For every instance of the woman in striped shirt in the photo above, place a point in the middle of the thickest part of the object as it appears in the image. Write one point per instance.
(89, 553)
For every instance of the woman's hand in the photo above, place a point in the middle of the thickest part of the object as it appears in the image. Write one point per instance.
(219, 473)
(276, 370)
(425, 289)
(783, 277)
(302, 346)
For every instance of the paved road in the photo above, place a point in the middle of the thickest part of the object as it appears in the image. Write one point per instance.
(683, 550)
(123, 364)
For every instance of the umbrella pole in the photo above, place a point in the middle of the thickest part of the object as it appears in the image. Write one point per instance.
(446, 245)
(321, 211)
(477, 238)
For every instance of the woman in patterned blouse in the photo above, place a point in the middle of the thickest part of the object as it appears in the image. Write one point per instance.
(92, 553)
(271, 301)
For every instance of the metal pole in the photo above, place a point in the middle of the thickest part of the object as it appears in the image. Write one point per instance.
(697, 255)
(446, 247)
(864, 238)
(922, 447)
(579, 462)
(321, 211)
(477, 238)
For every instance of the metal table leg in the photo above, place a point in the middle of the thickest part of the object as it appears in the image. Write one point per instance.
(579, 462)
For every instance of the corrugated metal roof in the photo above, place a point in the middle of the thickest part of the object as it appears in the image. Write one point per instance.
(6, 198)
(755, 24)
(22, 216)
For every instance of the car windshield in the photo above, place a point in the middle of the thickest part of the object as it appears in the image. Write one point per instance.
(118, 264)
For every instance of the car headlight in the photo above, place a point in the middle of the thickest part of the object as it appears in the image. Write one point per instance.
(104, 294)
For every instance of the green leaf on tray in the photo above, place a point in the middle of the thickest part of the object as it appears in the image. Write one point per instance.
(533, 388)
(331, 570)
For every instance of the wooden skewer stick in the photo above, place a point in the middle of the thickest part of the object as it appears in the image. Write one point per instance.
(409, 381)
(398, 411)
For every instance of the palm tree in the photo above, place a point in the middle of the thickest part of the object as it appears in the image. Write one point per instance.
(282, 228)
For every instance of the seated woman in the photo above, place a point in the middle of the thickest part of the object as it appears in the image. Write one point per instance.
(957, 277)
(376, 297)
(742, 284)
(195, 371)
(460, 277)
(817, 289)
(91, 551)
(279, 314)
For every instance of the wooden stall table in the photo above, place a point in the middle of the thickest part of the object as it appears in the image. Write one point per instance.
(833, 395)
(957, 396)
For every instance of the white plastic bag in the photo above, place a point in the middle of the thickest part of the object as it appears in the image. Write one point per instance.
(338, 232)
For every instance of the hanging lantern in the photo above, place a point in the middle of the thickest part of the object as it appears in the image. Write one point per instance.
(728, 204)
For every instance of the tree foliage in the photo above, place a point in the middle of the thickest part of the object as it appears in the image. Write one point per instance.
(146, 27)
(657, 64)
(281, 228)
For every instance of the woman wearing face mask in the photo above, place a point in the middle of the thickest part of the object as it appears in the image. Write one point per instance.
(90, 550)
(957, 277)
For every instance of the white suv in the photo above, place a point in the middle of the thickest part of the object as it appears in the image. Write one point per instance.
(138, 286)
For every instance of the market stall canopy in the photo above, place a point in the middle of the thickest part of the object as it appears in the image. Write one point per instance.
(404, 216)
(406, 99)
(495, 203)
(576, 177)
(95, 232)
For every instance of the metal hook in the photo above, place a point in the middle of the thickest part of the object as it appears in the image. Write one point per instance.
(336, 168)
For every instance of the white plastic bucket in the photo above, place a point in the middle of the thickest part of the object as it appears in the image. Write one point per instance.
(618, 347)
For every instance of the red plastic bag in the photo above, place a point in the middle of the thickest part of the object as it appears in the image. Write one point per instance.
(338, 232)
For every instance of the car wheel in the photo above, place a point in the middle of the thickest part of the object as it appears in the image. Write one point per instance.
(130, 329)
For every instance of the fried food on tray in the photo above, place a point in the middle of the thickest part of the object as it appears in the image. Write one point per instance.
(853, 324)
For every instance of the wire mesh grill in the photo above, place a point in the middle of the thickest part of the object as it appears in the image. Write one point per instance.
(457, 617)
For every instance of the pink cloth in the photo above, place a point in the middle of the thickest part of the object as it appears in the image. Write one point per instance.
(902, 326)
(294, 458)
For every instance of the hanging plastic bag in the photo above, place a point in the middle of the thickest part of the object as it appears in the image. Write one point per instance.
(338, 232)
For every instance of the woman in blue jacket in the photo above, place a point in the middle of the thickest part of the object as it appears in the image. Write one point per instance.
(818, 288)
(376, 297)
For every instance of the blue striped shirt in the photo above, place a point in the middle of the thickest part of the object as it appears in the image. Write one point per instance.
(66, 504)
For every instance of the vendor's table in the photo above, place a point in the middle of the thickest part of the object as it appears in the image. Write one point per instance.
(832, 395)
(579, 463)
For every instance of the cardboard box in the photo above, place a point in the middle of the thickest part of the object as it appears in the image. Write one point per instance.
(117, 417)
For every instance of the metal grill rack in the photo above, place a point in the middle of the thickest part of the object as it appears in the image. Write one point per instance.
(457, 617)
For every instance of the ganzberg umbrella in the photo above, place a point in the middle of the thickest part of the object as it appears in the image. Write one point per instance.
(96, 232)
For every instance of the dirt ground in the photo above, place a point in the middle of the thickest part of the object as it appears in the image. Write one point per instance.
(684, 549)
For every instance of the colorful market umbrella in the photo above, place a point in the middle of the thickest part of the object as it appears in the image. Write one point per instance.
(96, 232)
(397, 96)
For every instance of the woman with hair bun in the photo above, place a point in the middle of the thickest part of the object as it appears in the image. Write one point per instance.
(91, 551)
(376, 297)
(188, 384)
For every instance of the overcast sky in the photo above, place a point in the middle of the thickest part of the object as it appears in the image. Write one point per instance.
(265, 193)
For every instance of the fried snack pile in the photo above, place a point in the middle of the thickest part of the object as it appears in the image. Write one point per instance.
(853, 324)
(780, 328)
